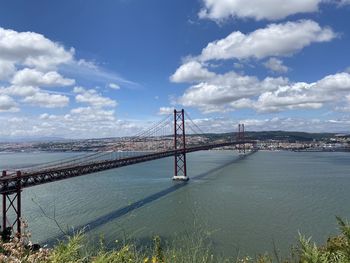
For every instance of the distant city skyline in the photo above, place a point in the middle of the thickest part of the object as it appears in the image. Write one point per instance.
(84, 69)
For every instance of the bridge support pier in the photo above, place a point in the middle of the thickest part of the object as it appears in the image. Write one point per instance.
(180, 172)
(12, 201)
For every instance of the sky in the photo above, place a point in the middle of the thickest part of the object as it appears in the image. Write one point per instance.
(88, 68)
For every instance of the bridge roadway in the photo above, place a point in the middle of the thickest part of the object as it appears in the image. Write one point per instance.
(11, 183)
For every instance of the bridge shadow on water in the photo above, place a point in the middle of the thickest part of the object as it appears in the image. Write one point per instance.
(140, 203)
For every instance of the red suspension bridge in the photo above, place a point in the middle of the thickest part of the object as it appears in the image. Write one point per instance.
(164, 139)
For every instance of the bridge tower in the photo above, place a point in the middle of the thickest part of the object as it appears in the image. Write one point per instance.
(12, 200)
(180, 172)
(240, 138)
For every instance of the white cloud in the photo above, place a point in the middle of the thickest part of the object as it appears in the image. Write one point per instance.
(29, 61)
(93, 114)
(217, 93)
(79, 90)
(32, 49)
(212, 92)
(165, 110)
(46, 100)
(32, 77)
(230, 91)
(191, 71)
(45, 116)
(6, 69)
(36, 97)
(346, 106)
(15, 120)
(271, 9)
(114, 86)
(91, 97)
(274, 40)
(276, 65)
(7, 104)
(84, 122)
(23, 91)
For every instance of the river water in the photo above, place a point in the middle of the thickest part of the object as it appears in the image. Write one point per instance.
(244, 205)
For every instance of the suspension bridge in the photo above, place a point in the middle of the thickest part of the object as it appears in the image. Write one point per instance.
(163, 139)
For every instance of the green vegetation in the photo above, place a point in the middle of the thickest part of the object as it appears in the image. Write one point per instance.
(75, 249)
(288, 136)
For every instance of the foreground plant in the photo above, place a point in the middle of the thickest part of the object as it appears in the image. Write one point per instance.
(75, 249)
(336, 249)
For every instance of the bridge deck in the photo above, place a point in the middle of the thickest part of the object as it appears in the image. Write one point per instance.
(10, 183)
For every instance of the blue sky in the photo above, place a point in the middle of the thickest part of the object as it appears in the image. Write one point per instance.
(107, 68)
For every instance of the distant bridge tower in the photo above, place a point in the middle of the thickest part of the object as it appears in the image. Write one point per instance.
(180, 172)
(11, 200)
(240, 138)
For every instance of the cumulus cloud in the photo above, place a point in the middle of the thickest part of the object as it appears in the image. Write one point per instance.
(231, 91)
(276, 65)
(346, 106)
(256, 9)
(82, 122)
(33, 77)
(32, 49)
(191, 71)
(282, 39)
(165, 110)
(26, 83)
(21, 91)
(217, 94)
(92, 114)
(92, 97)
(7, 104)
(220, 92)
(46, 100)
(46, 116)
(29, 62)
(30, 65)
(6, 69)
